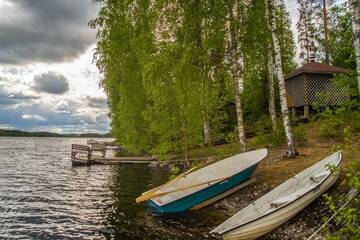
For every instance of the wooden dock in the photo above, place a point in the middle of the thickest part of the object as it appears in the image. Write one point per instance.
(96, 154)
(86, 155)
(125, 160)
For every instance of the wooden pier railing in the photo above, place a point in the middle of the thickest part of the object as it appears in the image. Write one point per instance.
(80, 151)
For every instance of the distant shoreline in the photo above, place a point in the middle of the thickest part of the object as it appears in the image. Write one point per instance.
(19, 133)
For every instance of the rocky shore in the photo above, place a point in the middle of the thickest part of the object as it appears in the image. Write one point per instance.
(271, 172)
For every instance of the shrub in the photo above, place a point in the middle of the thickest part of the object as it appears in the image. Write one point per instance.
(347, 220)
(334, 120)
(300, 134)
(265, 138)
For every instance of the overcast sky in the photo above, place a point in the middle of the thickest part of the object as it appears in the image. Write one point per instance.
(47, 79)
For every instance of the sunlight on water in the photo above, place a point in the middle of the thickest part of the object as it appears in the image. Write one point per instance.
(43, 197)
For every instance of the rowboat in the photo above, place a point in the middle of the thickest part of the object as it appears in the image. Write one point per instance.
(282, 203)
(194, 187)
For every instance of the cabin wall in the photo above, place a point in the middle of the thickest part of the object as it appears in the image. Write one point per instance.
(321, 90)
(295, 89)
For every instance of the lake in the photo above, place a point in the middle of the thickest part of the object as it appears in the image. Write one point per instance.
(42, 196)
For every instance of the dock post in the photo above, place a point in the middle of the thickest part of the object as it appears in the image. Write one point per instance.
(306, 111)
(293, 112)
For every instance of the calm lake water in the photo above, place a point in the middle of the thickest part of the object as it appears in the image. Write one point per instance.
(43, 197)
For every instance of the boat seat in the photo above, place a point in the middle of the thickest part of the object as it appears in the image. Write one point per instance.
(205, 177)
(283, 200)
(319, 177)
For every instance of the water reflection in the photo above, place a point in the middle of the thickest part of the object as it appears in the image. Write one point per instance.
(128, 220)
(43, 197)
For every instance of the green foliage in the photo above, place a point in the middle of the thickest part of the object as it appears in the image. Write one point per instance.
(348, 81)
(165, 72)
(346, 224)
(174, 172)
(334, 122)
(265, 137)
(347, 220)
(341, 48)
(300, 134)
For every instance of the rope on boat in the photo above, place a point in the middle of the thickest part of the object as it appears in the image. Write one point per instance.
(351, 194)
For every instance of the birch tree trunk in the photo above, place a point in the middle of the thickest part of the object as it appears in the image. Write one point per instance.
(207, 137)
(355, 15)
(236, 70)
(291, 151)
(234, 60)
(270, 66)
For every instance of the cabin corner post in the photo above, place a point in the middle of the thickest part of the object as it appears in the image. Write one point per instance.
(306, 111)
(306, 96)
(293, 112)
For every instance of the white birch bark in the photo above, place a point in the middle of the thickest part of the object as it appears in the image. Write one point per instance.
(234, 61)
(355, 15)
(270, 66)
(236, 72)
(207, 137)
(270, 5)
(236, 69)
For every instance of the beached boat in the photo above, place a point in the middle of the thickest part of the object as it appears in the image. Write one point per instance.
(191, 189)
(282, 203)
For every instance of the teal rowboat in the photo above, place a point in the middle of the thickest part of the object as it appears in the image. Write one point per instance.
(189, 190)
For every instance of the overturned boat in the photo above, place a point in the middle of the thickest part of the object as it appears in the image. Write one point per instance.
(188, 191)
(282, 203)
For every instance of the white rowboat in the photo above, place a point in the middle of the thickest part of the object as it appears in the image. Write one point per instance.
(282, 203)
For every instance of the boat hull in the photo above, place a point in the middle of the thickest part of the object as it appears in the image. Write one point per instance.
(186, 203)
(255, 229)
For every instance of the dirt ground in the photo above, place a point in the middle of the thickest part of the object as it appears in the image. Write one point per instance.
(276, 169)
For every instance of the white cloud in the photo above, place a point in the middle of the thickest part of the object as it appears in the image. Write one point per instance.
(33, 117)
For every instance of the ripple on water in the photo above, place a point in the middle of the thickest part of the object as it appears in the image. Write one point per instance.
(43, 197)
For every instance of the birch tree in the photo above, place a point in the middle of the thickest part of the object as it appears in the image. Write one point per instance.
(236, 71)
(291, 151)
(355, 9)
(270, 68)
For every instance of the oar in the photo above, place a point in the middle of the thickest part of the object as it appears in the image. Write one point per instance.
(155, 195)
(172, 180)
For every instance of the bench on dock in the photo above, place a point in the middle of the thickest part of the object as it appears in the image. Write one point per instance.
(82, 150)
(99, 147)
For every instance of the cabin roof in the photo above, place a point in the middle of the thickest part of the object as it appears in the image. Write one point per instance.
(315, 67)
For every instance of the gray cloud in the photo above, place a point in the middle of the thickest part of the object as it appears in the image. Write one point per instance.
(45, 30)
(96, 102)
(51, 82)
(8, 97)
(44, 116)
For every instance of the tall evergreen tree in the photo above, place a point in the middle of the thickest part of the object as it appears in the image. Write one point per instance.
(306, 29)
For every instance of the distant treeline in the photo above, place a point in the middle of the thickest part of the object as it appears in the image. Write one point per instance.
(18, 133)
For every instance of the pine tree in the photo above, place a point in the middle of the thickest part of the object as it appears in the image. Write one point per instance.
(306, 29)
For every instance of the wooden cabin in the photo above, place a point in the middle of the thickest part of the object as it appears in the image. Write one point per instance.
(311, 84)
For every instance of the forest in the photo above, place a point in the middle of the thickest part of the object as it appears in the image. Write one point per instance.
(190, 76)
(181, 75)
